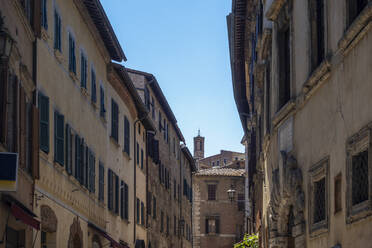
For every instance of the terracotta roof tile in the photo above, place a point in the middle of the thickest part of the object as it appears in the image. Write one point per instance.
(221, 172)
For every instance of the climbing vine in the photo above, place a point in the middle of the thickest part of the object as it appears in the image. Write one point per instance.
(249, 241)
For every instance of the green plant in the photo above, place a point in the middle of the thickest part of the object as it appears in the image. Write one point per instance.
(249, 241)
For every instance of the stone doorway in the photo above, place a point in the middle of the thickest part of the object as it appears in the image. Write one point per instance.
(286, 209)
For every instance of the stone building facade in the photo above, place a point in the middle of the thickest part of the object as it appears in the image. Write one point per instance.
(218, 221)
(168, 181)
(18, 121)
(301, 76)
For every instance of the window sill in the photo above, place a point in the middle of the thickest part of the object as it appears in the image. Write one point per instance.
(103, 119)
(357, 30)
(59, 56)
(284, 112)
(318, 229)
(316, 79)
(94, 104)
(114, 141)
(84, 91)
(359, 212)
(44, 34)
(73, 76)
(126, 155)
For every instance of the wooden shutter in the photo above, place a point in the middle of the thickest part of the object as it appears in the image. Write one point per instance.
(3, 102)
(101, 182)
(77, 158)
(156, 151)
(44, 122)
(68, 161)
(206, 226)
(116, 194)
(59, 138)
(22, 128)
(150, 145)
(126, 193)
(109, 190)
(217, 225)
(35, 143)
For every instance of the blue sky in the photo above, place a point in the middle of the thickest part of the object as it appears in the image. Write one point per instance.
(185, 45)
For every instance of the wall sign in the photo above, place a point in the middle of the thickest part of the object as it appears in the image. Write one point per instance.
(8, 171)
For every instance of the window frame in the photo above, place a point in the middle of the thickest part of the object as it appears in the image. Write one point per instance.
(83, 69)
(215, 191)
(71, 52)
(114, 121)
(57, 31)
(318, 172)
(59, 138)
(356, 144)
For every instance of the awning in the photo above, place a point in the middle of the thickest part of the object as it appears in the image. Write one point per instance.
(106, 236)
(21, 212)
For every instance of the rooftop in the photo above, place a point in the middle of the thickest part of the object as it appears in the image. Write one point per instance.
(221, 172)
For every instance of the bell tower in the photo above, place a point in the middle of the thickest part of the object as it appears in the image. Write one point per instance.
(198, 146)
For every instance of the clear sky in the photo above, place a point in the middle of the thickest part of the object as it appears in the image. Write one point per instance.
(185, 45)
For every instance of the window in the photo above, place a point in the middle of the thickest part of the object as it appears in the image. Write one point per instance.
(212, 192)
(137, 154)
(154, 207)
(149, 203)
(175, 189)
(142, 159)
(138, 211)
(218, 162)
(167, 225)
(284, 65)
(44, 122)
(92, 171)
(355, 7)
(102, 102)
(126, 202)
(59, 140)
(69, 144)
(318, 199)
(126, 136)
(83, 70)
(212, 225)
(78, 158)
(175, 225)
(101, 179)
(26, 5)
(114, 120)
(116, 194)
(142, 214)
(317, 33)
(338, 197)
(153, 108)
(44, 14)
(358, 176)
(160, 120)
(241, 203)
(93, 86)
(110, 189)
(15, 238)
(57, 31)
(48, 239)
(224, 161)
(161, 221)
(71, 54)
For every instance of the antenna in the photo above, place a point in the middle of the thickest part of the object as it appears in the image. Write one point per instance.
(199, 132)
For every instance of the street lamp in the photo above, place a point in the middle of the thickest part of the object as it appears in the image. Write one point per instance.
(6, 41)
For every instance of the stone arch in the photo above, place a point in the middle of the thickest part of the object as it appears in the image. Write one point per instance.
(75, 239)
(49, 220)
(286, 209)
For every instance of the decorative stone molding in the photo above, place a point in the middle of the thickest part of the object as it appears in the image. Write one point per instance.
(357, 30)
(266, 41)
(286, 196)
(274, 9)
(75, 239)
(49, 220)
(284, 113)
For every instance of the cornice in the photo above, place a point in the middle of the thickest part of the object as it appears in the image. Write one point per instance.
(274, 9)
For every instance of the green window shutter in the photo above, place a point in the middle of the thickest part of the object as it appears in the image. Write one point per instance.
(82, 161)
(114, 120)
(126, 210)
(101, 182)
(141, 158)
(122, 199)
(116, 194)
(44, 122)
(68, 150)
(109, 189)
(138, 211)
(94, 90)
(59, 138)
(77, 157)
(137, 154)
(126, 135)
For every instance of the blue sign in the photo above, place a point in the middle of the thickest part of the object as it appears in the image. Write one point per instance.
(8, 171)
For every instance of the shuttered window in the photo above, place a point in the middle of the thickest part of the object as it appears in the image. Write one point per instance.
(137, 154)
(138, 211)
(154, 207)
(57, 31)
(101, 181)
(161, 221)
(85, 165)
(110, 189)
(92, 172)
(141, 158)
(68, 143)
(44, 122)
(116, 194)
(93, 86)
(114, 120)
(212, 192)
(126, 204)
(59, 127)
(156, 151)
(142, 213)
(122, 199)
(83, 71)
(126, 136)
(78, 158)
(71, 54)
(102, 102)
(44, 14)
